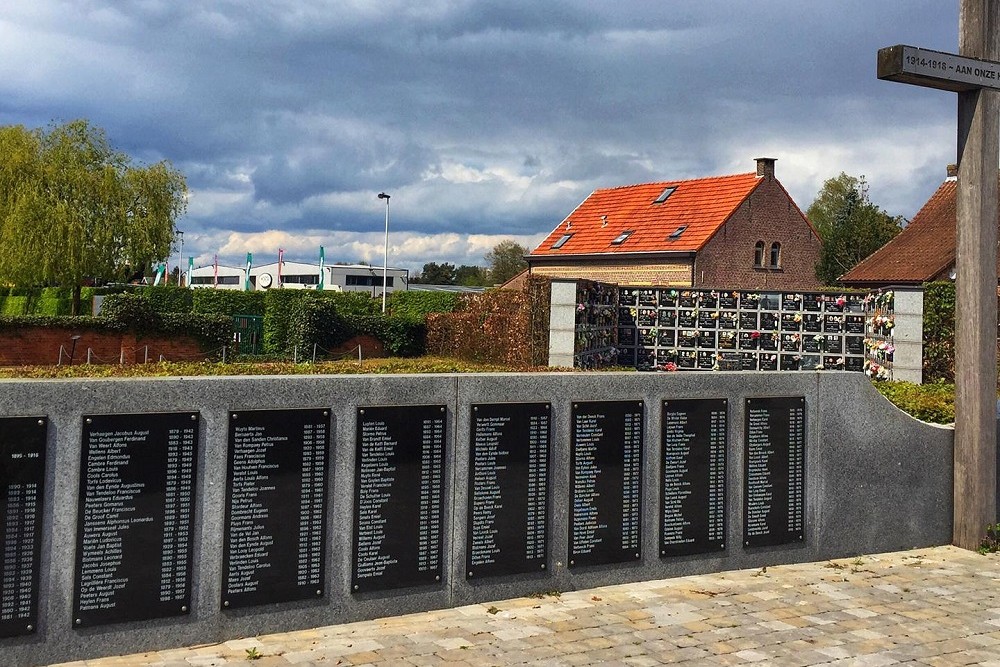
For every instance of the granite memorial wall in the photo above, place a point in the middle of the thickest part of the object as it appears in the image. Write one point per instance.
(143, 514)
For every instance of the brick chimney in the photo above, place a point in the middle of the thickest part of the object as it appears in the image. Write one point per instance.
(952, 171)
(765, 167)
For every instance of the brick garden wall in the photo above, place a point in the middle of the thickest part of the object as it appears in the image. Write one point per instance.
(40, 346)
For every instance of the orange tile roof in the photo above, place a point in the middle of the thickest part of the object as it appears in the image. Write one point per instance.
(701, 204)
(921, 252)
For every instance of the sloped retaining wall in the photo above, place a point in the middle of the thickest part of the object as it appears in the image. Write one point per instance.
(875, 480)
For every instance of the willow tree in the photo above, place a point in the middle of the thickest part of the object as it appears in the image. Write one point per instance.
(74, 210)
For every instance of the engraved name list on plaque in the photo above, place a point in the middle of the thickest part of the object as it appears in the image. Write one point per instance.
(22, 477)
(135, 517)
(508, 489)
(693, 486)
(774, 471)
(606, 482)
(273, 549)
(398, 497)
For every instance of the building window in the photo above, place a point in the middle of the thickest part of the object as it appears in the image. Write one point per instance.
(210, 280)
(302, 279)
(665, 195)
(367, 281)
(562, 241)
(775, 255)
(621, 238)
(758, 254)
(676, 234)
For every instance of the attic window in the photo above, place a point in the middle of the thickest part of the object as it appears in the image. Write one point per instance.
(676, 234)
(620, 239)
(665, 195)
(562, 241)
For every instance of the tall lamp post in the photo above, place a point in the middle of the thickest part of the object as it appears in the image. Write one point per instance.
(385, 256)
(180, 255)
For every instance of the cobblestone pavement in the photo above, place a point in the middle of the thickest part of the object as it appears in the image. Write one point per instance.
(934, 606)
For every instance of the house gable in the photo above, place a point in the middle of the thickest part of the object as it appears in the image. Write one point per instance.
(696, 230)
(923, 251)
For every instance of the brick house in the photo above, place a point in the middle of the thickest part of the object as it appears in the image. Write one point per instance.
(742, 231)
(923, 252)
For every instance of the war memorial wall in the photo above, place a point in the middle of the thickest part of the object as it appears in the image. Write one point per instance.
(150, 513)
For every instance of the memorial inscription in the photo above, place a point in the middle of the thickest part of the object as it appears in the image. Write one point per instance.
(273, 547)
(508, 489)
(774, 471)
(22, 473)
(398, 497)
(606, 482)
(135, 518)
(693, 481)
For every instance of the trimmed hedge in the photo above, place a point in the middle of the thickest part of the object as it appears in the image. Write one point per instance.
(401, 336)
(939, 331)
(136, 312)
(227, 302)
(418, 304)
(168, 298)
(933, 403)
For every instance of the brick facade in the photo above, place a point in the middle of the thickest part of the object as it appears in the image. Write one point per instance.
(769, 215)
(668, 273)
(40, 346)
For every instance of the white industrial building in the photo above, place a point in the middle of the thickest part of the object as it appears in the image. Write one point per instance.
(299, 275)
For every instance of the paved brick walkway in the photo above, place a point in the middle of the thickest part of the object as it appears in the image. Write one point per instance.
(925, 607)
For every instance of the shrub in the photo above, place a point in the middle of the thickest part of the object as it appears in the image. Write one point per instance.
(352, 304)
(939, 332)
(316, 321)
(130, 310)
(401, 336)
(282, 307)
(168, 298)
(928, 402)
(418, 304)
(227, 302)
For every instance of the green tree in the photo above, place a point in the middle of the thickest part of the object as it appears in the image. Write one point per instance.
(471, 276)
(505, 261)
(73, 209)
(438, 274)
(850, 225)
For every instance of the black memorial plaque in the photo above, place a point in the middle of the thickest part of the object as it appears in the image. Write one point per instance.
(398, 497)
(693, 478)
(22, 478)
(508, 489)
(135, 522)
(774, 471)
(606, 482)
(275, 531)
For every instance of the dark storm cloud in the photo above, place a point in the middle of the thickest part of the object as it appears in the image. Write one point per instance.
(479, 117)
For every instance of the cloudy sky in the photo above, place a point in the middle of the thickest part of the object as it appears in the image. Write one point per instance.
(484, 120)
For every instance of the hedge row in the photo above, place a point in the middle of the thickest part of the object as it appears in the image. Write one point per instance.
(939, 331)
(291, 318)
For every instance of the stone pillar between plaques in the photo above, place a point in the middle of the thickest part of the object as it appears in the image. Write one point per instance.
(908, 334)
(562, 323)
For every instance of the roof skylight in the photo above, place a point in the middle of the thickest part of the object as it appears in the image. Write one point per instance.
(562, 241)
(676, 234)
(665, 195)
(620, 239)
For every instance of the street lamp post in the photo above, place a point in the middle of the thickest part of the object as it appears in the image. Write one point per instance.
(180, 255)
(385, 256)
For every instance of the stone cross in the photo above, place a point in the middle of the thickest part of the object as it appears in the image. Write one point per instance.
(975, 76)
